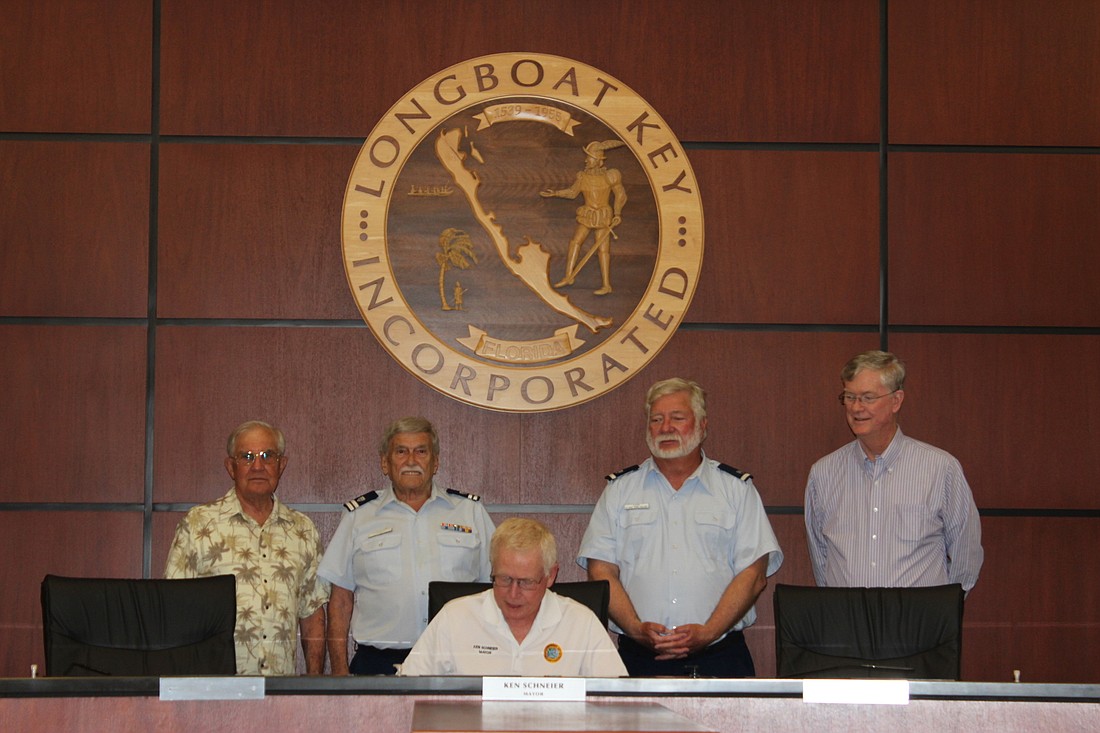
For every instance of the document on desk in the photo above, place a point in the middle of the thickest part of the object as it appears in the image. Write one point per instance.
(856, 692)
(572, 689)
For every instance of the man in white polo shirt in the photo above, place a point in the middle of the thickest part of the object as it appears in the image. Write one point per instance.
(519, 627)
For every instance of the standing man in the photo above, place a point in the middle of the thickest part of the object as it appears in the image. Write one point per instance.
(520, 626)
(886, 510)
(599, 214)
(391, 545)
(273, 551)
(686, 545)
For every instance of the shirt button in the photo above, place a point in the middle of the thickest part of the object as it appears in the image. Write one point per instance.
(876, 509)
(874, 536)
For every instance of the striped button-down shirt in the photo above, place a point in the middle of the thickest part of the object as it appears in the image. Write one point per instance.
(905, 519)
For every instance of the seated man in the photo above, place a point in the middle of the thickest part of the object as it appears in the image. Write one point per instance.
(519, 627)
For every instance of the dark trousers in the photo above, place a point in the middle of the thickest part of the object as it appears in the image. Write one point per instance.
(372, 660)
(729, 657)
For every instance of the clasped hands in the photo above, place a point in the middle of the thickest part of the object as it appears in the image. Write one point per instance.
(674, 643)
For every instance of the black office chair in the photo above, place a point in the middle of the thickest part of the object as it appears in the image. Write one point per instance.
(596, 594)
(113, 626)
(912, 633)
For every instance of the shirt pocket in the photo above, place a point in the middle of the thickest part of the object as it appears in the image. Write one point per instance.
(380, 559)
(637, 526)
(459, 555)
(914, 522)
(714, 528)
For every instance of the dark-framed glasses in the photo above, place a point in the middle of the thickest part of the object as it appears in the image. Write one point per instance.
(506, 581)
(865, 399)
(249, 457)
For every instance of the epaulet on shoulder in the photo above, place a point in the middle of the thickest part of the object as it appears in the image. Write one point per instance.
(735, 472)
(621, 472)
(463, 494)
(359, 501)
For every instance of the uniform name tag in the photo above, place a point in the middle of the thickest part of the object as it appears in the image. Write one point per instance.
(630, 507)
(387, 530)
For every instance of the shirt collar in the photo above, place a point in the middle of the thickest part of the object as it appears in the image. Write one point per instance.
(695, 479)
(549, 614)
(888, 456)
(231, 507)
(389, 496)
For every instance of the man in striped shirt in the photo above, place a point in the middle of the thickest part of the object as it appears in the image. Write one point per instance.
(887, 510)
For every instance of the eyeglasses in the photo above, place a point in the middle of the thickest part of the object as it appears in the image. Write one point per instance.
(506, 581)
(847, 398)
(249, 457)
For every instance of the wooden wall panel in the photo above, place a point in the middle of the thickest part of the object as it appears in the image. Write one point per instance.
(791, 237)
(253, 231)
(76, 66)
(36, 543)
(1036, 606)
(303, 68)
(1018, 411)
(773, 421)
(73, 413)
(994, 72)
(75, 222)
(990, 240)
(801, 71)
(798, 71)
(332, 390)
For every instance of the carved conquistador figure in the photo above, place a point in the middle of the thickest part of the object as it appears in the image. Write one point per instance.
(599, 214)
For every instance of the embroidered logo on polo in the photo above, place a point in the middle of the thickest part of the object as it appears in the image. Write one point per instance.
(552, 653)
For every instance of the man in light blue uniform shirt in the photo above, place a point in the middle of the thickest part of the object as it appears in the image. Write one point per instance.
(391, 545)
(887, 510)
(686, 546)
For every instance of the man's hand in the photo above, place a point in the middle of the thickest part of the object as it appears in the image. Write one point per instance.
(667, 643)
(683, 640)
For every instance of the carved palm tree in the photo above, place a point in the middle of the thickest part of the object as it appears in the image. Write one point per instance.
(456, 249)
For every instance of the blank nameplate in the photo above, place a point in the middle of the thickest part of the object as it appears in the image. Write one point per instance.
(533, 688)
(212, 688)
(857, 692)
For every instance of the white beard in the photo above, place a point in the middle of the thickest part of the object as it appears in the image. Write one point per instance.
(685, 447)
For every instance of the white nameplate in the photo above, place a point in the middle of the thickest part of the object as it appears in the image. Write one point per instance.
(857, 692)
(533, 688)
(212, 688)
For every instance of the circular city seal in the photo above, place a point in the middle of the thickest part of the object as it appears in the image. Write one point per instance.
(522, 232)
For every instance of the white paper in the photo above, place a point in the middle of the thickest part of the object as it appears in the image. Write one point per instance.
(857, 692)
(212, 688)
